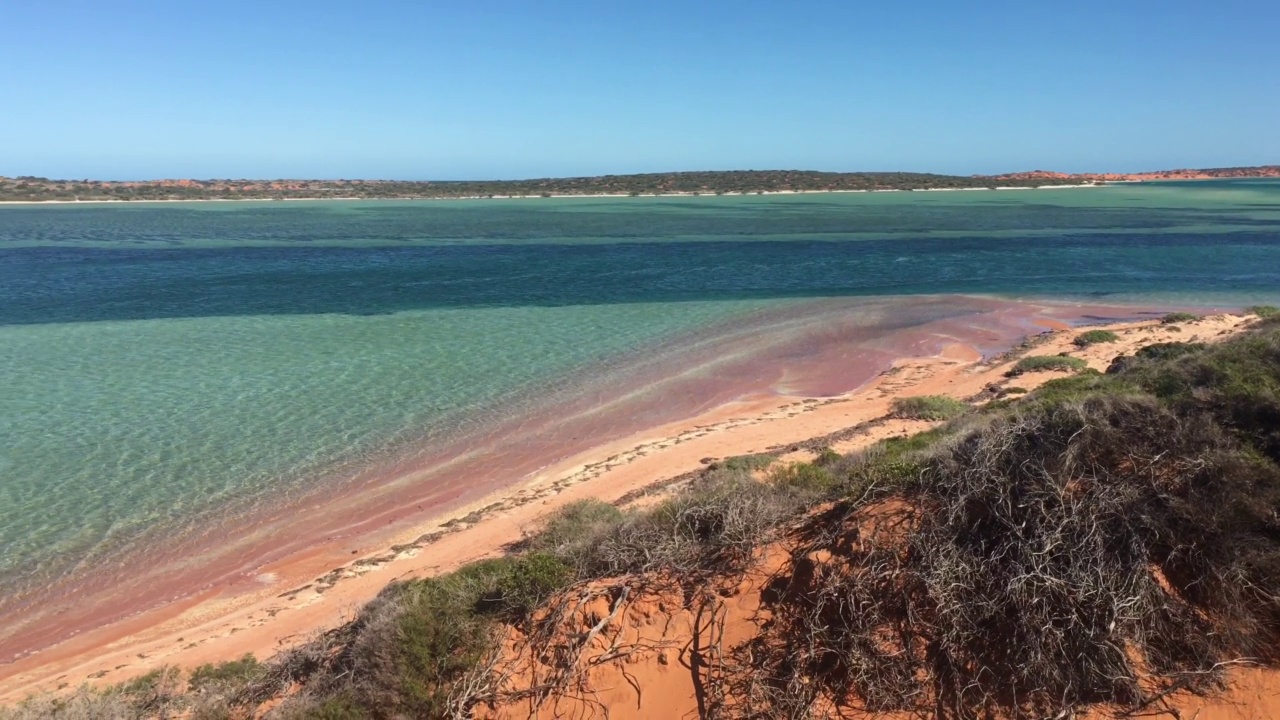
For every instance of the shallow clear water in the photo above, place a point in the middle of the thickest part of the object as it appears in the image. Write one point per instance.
(163, 363)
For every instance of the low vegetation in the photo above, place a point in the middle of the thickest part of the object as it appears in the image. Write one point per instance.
(1265, 312)
(1094, 337)
(749, 463)
(693, 183)
(1174, 318)
(210, 677)
(423, 648)
(1106, 539)
(927, 407)
(1109, 539)
(1046, 363)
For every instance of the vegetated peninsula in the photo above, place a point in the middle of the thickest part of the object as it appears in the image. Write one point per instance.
(745, 182)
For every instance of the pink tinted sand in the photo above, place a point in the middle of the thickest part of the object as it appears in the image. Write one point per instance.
(209, 598)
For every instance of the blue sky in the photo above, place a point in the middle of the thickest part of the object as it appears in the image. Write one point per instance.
(448, 90)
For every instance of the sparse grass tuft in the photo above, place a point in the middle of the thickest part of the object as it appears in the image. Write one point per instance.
(928, 407)
(1094, 337)
(1046, 363)
(1263, 311)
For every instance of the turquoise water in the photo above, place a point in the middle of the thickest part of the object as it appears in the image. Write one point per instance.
(163, 364)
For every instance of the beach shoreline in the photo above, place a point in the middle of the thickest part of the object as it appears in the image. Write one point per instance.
(285, 601)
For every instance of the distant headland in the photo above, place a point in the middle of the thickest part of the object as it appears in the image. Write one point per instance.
(733, 182)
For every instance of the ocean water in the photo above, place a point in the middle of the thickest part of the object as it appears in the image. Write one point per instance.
(165, 367)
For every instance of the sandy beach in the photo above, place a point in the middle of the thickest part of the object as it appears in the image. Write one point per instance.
(319, 587)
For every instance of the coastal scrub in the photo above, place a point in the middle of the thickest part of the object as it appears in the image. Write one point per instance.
(1174, 318)
(1094, 337)
(927, 407)
(1046, 363)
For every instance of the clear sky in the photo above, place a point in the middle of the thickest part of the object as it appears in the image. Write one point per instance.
(430, 89)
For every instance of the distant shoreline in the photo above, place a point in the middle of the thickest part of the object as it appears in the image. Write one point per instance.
(28, 189)
(563, 196)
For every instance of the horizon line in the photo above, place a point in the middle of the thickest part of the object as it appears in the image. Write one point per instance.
(1017, 173)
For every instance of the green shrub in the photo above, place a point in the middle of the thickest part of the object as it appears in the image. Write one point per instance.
(529, 581)
(1093, 337)
(1179, 317)
(892, 462)
(1001, 403)
(827, 457)
(1237, 382)
(1014, 390)
(804, 476)
(423, 638)
(1079, 387)
(1046, 363)
(1264, 311)
(572, 532)
(927, 407)
(341, 708)
(1169, 350)
(160, 680)
(232, 673)
(409, 651)
(748, 463)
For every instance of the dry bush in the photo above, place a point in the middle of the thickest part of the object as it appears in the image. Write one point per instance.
(84, 704)
(714, 525)
(157, 694)
(1103, 551)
